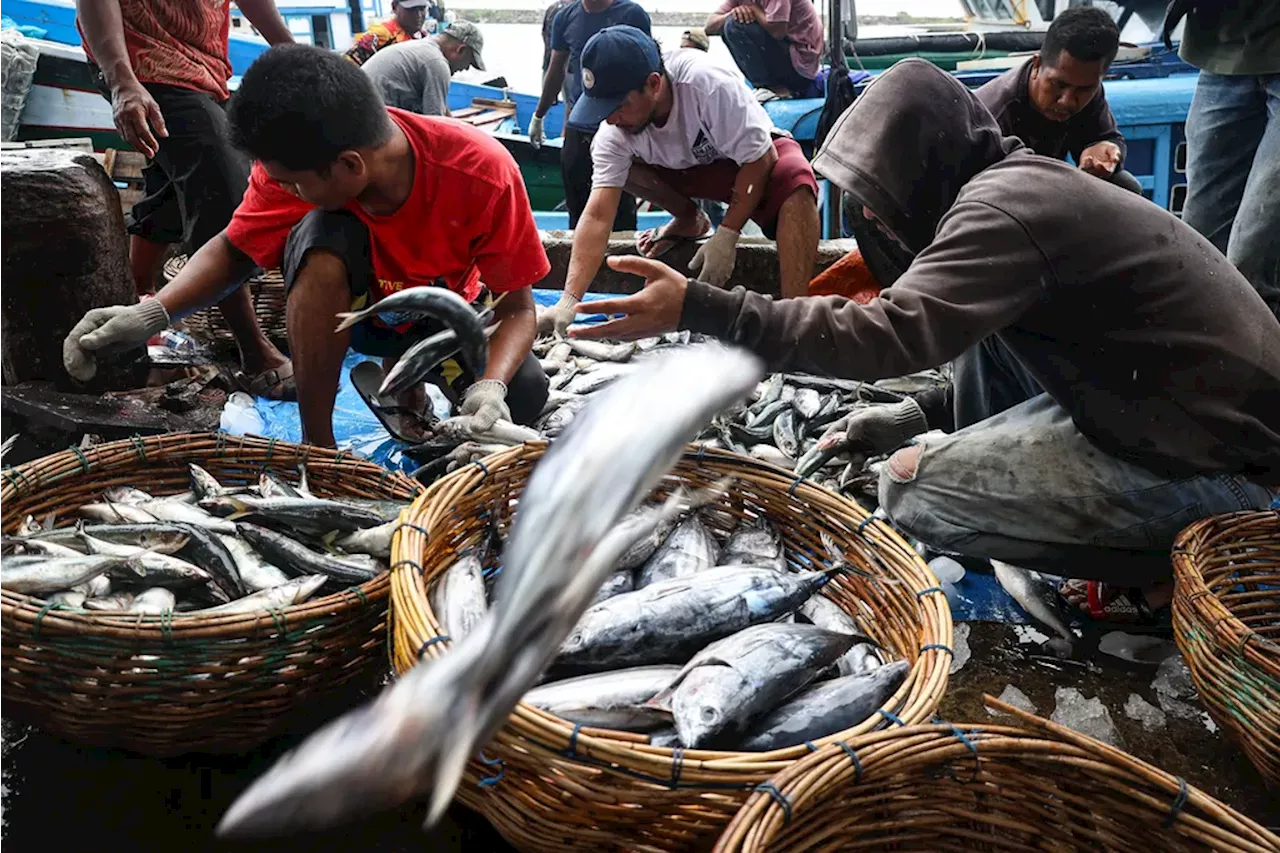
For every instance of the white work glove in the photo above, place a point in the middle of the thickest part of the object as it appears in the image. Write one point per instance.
(536, 135)
(485, 403)
(558, 318)
(111, 329)
(713, 262)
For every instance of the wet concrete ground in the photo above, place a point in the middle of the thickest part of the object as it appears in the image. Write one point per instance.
(58, 791)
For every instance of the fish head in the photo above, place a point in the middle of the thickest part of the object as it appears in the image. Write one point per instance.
(704, 702)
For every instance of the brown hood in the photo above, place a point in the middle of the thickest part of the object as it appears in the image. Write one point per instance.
(908, 145)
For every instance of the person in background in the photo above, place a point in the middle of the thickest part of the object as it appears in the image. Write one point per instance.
(572, 29)
(696, 38)
(355, 202)
(776, 43)
(1233, 135)
(404, 24)
(164, 67)
(676, 129)
(1154, 367)
(415, 75)
(548, 18)
(1054, 102)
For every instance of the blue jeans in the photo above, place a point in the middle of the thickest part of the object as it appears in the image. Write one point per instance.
(764, 60)
(1024, 486)
(1233, 174)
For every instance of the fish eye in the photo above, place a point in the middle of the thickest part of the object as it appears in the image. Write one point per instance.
(708, 714)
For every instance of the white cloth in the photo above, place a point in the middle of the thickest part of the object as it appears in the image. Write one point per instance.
(714, 116)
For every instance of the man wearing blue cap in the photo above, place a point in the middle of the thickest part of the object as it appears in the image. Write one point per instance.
(675, 129)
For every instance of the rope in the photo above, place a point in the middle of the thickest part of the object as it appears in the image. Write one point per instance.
(429, 643)
(407, 562)
(677, 765)
(863, 524)
(84, 460)
(938, 646)
(890, 716)
(573, 740)
(49, 605)
(271, 446)
(220, 443)
(139, 446)
(22, 482)
(853, 756)
(922, 593)
(1178, 802)
(416, 527)
(791, 490)
(482, 468)
(277, 616)
(778, 797)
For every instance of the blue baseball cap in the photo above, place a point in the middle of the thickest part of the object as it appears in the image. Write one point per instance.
(615, 62)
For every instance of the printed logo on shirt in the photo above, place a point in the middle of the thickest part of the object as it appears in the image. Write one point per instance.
(703, 149)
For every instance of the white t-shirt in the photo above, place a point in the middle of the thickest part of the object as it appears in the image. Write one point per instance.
(714, 116)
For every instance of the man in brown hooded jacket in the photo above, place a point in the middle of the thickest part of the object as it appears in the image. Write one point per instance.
(1111, 385)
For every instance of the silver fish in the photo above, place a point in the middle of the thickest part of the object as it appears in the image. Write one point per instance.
(420, 733)
(68, 598)
(295, 591)
(113, 513)
(587, 382)
(443, 304)
(824, 709)
(1036, 596)
(610, 700)
(98, 587)
(556, 399)
(667, 621)
(176, 511)
(733, 681)
(153, 602)
(298, 559)
(644, 548)
(204, 484)
(424, 356)
(784, 434)
(768, 414)
(256, 573)
(756, 543)
(317, 515)
(502, 432)
(271, 486)
(622, 580)
(127, 495)
(602, 351)
(375, 541)
(807, 403)
(158, 569)
(153, 536)
(116, 602)
(688, 550)
(458, 598)
(860, 660)
(772, 455)
(36, 575)
(667, 738)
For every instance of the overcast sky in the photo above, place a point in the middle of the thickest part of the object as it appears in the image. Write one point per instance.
(923, 8)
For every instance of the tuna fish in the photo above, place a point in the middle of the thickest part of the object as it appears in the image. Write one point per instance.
(610, 700)
(688, 550)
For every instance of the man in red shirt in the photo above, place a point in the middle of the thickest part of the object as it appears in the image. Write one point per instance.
(356, 201)
(163, 64)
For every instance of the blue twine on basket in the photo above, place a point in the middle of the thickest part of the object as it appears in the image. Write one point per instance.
(778, 797)
(1178, 803)
(853, 756)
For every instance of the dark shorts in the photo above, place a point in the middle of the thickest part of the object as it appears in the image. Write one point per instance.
(197, 178)
(344, 235)
(714, 182)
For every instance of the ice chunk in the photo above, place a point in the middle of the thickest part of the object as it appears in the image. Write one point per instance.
(947, 569)
(1173, 679)
(1015, 697)
(1087, 716)
(1137, 648)
(1151, 717)
(960, 645)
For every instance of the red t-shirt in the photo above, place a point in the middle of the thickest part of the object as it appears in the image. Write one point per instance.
(177, 42)
(467, 218)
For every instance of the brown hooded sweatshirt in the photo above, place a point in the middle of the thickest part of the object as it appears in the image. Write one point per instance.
(1161, 351)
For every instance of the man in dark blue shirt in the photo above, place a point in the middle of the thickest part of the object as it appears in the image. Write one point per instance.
(573, 26)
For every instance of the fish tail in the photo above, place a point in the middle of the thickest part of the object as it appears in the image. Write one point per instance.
(347, 319)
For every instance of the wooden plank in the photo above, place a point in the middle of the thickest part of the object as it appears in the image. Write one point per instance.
(78, 143)
(491, 102)
(467, 111)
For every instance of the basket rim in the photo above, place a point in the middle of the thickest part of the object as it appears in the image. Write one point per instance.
(892, 751)
(609, 748)
(1206, 608)
(45, 618)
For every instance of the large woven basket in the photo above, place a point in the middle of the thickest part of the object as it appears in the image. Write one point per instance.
(1226, 619)
(266, 288)
(984, 787)
(211, 683)
(550, 786)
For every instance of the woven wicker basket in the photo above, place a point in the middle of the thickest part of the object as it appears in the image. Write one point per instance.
(548, 786)
(217, 683)
(940, 787)
(1226, 619)
(267, 291)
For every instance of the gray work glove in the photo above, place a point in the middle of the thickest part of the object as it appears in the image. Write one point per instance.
(714, 260)
(111, 329)
(886, 428)
(485, 403)
(537, 135)
(560, 317)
